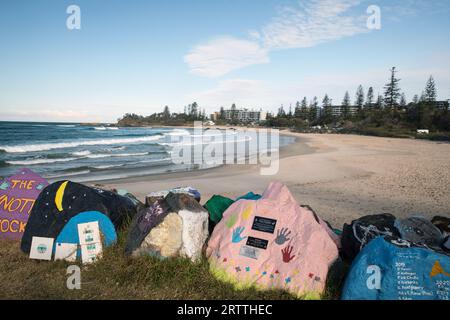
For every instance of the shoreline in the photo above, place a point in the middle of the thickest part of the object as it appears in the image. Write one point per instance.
(342, 177)
(298, 147)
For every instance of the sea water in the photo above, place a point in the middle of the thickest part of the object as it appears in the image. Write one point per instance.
(86, 152)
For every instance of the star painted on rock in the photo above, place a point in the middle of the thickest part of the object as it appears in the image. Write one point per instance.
(287, 280)
(264, 273)
(247, 269)
(224, 260)
(238, 269)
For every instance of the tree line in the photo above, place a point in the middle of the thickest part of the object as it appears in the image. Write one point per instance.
(390, 110)
(192, 112)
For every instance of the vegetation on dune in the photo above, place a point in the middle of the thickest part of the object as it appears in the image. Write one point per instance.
(389, 115)
(191, 113)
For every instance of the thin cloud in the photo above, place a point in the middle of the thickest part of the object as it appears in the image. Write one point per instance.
(223, 55)
(316, 22)
(397, 9)
(305, 25)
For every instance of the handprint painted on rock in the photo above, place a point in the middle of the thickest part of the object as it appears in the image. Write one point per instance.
(286, 253)
(236, 238)
(282, 236)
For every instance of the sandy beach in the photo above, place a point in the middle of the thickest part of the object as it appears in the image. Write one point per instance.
(342, 177)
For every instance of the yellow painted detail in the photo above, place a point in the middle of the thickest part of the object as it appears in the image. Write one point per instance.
(59, 195)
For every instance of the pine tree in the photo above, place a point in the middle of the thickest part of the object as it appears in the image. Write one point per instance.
(234, 114)
(297, 112)
(328, 112)
(392, 91)
(194, 110)
(304, 109)
(313, 109)
(416, 99)
(345, 110)
(380, 103)
(430, 91)
(281, 112)
(326, 102)
(359, 102)
(403, 101)
(422, 97)
(369, 100)
(166, 113)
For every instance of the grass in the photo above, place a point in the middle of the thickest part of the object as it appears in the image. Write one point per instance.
(118, 277)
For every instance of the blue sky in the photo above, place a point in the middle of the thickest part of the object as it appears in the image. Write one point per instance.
(137, 56)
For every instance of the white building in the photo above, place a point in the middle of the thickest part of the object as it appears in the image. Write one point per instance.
(244, 115)
(339, 110)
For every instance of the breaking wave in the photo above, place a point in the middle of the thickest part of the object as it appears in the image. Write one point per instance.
(106, 128)
(38, 161)
(61, 145)
(82, 154)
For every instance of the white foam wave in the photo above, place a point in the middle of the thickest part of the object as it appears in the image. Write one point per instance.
(105, 155)
(106, 128)
(81, 153)
(74, 144)
(155, 160)
(38, 161)
(107, 166)
(177, 132)
(200, 142)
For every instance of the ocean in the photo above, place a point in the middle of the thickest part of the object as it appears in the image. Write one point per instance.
(87, 153)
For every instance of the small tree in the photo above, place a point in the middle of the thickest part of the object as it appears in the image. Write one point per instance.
(313, 109)
(392, 91)
(297, 112)
(359, 102)
(166, 113)
(380, 103)
(346, 106)
(234, 114)
(370, 97)
(281, 112)
(194, 110)
(326, 101)
(430, 91)
(304, 109)
(327, 116)
(403, 101)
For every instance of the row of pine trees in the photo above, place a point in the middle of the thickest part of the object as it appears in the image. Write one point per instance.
(391, 108)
